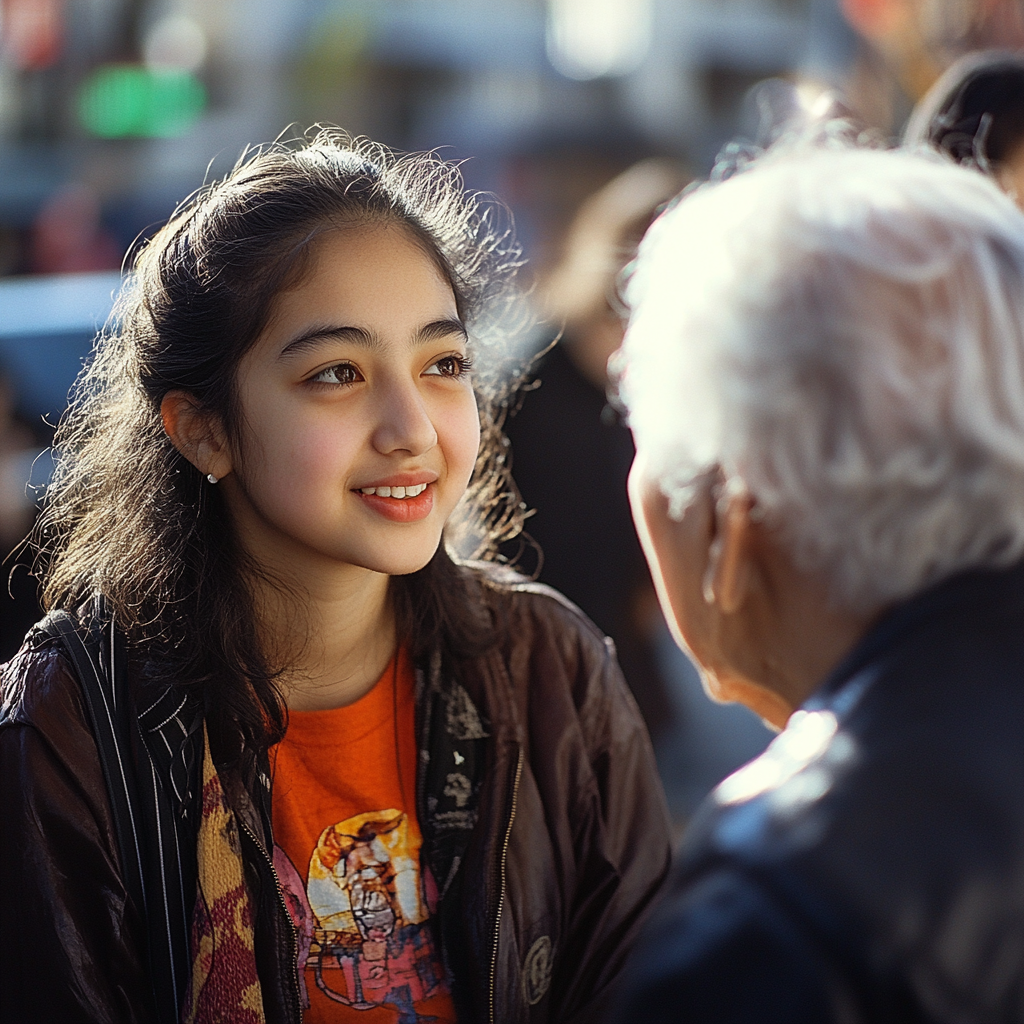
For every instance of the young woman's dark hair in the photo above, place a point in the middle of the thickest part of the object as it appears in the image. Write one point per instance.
(129, 518)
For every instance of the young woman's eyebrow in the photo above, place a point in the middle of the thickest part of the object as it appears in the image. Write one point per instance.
(443, 329)
(321, 334)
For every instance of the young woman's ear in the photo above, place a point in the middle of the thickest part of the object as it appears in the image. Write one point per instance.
(728, 574)
(197, 434)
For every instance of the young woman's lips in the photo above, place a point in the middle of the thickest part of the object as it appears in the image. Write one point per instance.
(401, 510)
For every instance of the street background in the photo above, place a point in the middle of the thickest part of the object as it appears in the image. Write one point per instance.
(111, 111)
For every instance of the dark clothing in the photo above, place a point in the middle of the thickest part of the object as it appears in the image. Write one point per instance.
(19, 605)
(571, 457)
(870, 866)
(550, 870)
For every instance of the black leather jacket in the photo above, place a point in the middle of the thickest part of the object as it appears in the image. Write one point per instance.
(869, 868)
(565, 849)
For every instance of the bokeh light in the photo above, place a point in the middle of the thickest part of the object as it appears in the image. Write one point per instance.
(131, 101)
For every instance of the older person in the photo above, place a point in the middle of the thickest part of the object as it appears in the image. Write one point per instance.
(824, 372)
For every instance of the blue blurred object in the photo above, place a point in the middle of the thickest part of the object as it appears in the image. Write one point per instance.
(712, 741)
(831, 44)
(47, 327)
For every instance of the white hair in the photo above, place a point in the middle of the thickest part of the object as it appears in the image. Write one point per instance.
(842, 331)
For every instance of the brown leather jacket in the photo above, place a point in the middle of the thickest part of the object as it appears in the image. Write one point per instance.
(566, 838)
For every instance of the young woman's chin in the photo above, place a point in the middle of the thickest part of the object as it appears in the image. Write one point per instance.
(398, 559)
(400, 566)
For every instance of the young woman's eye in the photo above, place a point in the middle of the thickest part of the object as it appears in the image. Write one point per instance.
(342, 373)
(451, 366)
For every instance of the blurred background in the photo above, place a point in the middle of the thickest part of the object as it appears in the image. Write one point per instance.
(582, 116)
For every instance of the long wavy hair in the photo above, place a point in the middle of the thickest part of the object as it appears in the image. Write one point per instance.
(129, 518)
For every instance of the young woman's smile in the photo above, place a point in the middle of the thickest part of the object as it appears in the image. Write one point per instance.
(403, 498)
(360, 429)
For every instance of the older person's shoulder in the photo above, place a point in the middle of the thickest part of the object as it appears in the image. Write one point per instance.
(869, 824)
(865, 781)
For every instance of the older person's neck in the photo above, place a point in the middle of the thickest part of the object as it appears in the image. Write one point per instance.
(811, 641)
(795, 636)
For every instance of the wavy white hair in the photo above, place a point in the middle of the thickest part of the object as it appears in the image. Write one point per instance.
(842, 331)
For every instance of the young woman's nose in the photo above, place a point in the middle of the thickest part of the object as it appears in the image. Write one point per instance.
(404, 423)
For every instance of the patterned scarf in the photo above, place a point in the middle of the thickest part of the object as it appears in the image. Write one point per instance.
(225, 986)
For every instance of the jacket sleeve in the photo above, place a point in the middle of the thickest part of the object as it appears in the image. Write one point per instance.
(625, 842)
(70, 947)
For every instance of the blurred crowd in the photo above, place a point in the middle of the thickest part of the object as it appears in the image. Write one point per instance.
(110, 107)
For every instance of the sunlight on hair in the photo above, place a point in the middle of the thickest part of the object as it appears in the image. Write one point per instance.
(841, 329)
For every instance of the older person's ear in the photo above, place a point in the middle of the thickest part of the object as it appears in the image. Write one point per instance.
(198, 434)
(728, 574)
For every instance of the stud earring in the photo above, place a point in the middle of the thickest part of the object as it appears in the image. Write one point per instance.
(211, 478)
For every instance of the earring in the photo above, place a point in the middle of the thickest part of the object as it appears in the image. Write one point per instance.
(211, 478)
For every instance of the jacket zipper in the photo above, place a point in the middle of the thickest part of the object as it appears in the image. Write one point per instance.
(501, 897)
(294, 952)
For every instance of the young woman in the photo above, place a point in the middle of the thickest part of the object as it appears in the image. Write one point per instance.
(275, 754)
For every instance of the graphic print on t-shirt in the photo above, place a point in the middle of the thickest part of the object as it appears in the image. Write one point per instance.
(362, 917)
(351, 873)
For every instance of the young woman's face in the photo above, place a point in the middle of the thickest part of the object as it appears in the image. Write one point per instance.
(359, 425)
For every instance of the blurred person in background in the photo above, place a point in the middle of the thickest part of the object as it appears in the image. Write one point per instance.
(15, 446)
(975, 114)
(19, 605)
(824, 374)
(907, 44)
(68, 237)
(571, 455)
(570, 452)
(275, 754)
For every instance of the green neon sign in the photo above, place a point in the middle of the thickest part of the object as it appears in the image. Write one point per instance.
(129, 101)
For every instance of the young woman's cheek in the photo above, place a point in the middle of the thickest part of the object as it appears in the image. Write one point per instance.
(301, 459)
(458, 430)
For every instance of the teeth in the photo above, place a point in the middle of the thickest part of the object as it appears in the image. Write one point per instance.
(412, 491)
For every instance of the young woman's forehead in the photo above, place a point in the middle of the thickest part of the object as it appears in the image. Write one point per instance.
(362, 285)
(385, 246)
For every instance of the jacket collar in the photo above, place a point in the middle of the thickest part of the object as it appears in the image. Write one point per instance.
(847, 682)
(170, 724)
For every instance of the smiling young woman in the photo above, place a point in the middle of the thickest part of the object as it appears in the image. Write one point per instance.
(361, 435)
(276, 753)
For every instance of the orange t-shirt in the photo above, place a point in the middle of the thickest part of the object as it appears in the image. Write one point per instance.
(347, 850)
